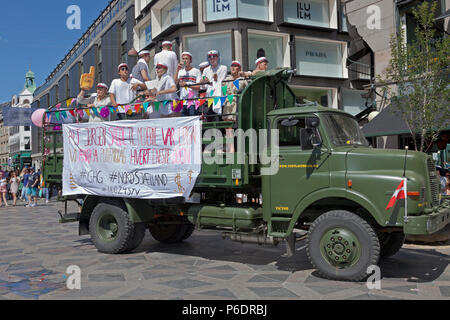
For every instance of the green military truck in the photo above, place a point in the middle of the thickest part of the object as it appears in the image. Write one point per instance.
(330, 182)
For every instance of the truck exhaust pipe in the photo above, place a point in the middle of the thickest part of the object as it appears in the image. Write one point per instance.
(259, 239)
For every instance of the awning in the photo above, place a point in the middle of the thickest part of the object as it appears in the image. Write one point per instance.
(388, 123)
(26, 155)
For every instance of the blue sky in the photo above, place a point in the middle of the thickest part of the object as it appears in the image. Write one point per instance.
(34, 34)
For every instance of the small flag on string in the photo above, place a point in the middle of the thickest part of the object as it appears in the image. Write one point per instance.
(58, 106)
(146, 104)
(57, 115)
(68, 102)
(72, 113)
(224, 90)
(165, 102)
(157, 104)
(127, 108)
(230, 99)
(222, 100)
(216, 100)
(191, 94)
(73, 100)
(81, 113)
(211, 93)
(64, 114)
(95, 111)
(210, 102)
(112, 109)
(178, 107)
(236, 84)
(197, 104)
(137, 108)
(88, 112)
(202, 102)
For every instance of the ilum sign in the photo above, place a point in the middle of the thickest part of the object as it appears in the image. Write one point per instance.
(220, 9)
(310, 12)
(221, 5)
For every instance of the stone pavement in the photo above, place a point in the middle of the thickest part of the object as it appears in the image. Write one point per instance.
(36, 251)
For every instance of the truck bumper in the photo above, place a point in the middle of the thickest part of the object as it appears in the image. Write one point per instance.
(430, 223)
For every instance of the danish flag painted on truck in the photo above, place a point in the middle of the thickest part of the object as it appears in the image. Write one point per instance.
(400, 193)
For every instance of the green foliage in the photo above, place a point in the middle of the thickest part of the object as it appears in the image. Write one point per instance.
(420, 72)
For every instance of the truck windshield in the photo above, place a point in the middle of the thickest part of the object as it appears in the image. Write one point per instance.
(344, 130)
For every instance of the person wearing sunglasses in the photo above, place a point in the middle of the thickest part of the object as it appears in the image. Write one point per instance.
(123, 90)
(99, 99)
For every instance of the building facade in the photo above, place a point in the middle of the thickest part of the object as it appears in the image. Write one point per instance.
(395, 15)
(4, 141)
(308, 36)
(20, 137)
(104, 45)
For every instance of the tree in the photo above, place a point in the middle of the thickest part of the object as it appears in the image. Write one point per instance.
(420, 72)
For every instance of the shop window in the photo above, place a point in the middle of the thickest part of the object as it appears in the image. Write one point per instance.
(176, 12)
(343, 19)
(321, 58)
(200, 45)
(318, 13)
(228, 9)
(353, 101)
(270, 46)
(323, 96)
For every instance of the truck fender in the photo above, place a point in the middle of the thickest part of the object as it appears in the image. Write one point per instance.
(355, 197)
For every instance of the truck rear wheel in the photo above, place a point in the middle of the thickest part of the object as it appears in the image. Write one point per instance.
(391, 243)
(111, 229)
(341, 246)
(169, 230)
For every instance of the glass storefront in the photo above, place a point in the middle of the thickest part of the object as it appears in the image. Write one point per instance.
(145, 35)
(228, 9)
(308, 12)
(319, 58)
(200, 45)
(272, 46)
(353, 102)
(324, 97)
(176, 12)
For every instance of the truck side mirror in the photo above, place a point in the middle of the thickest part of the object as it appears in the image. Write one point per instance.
(312, 123)
(310, 139)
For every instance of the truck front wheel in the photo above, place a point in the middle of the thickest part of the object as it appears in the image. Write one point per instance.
(341, 246)
(111, 229)
(391, 243)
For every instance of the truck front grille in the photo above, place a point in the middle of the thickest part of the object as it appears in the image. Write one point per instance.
(434, 183)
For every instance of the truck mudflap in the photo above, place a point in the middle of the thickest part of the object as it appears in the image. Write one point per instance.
(429, 223)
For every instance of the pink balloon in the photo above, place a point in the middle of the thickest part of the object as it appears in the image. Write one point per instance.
(37, 117)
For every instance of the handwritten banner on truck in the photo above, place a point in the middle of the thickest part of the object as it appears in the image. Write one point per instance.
(144, 159)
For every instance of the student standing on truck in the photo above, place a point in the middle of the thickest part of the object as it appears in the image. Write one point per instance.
(262, 64)
(213, 77)
(141, 70)
(99, 99)
(231, 108)
(163, 89)
(167, 57)
(187, 75)
(123, 90)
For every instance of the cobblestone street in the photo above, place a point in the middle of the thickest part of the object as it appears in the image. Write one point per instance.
(36, 251)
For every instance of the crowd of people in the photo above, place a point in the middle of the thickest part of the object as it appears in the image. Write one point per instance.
(26, 185)
(175, 80)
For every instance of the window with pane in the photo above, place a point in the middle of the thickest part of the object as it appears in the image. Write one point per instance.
(176, 12)
(324, 97)
(269, 46)
(343, 19)
(319, 58)
(228, 9)
(290, 131)
(307, 12)
(200, 45)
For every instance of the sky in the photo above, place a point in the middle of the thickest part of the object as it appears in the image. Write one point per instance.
(34, 34)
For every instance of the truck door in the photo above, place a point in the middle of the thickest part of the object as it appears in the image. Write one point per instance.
(301, 171)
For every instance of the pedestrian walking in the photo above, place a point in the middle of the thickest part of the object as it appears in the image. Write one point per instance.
(3, 189)
(14, 181)
(24, 176)
(32, 188)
